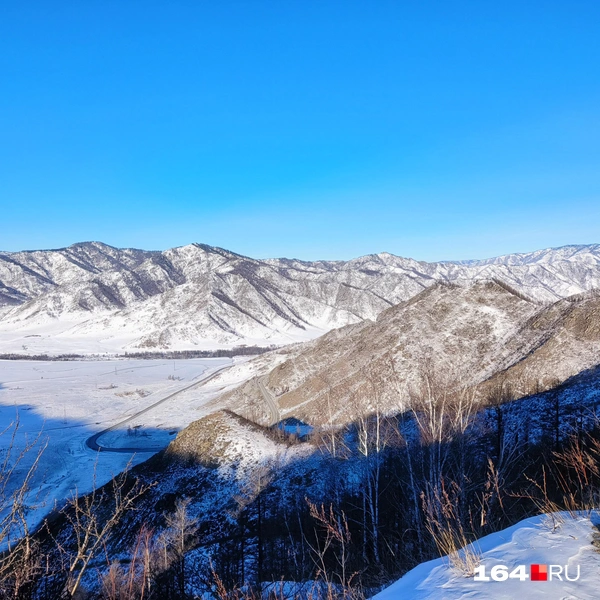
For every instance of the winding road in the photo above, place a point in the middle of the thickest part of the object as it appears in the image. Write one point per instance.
(92, 441)
(270, 400)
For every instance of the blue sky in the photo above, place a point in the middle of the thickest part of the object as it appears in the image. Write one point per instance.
(436, 130)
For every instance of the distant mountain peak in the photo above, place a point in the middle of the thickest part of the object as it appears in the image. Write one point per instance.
(198, 296)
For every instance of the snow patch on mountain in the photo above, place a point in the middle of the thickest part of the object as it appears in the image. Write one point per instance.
(199, 296)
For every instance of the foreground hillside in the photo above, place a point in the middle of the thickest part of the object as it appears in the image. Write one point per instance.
(237, 507)
(92, 298)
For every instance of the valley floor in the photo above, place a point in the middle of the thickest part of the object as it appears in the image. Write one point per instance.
(57, 406)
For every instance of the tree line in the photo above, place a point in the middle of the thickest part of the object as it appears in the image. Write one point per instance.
(166, 354)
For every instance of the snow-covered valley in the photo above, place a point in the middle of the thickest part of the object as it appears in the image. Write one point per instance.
(59, 405)
(413, 387)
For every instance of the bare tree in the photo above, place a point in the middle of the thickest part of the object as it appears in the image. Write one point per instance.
(330, 436)
(20, 563)
(181, 536)
(250, 495)
(375, 432)
(91, 520)
(442, 409)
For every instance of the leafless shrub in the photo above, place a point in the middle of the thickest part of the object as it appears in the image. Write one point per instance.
(20, 562)
(141, 393)
(335, 537)
(133, 580)
(91, 519)
(538, 495)
(582, 463)
(447, 530)
(576, 471)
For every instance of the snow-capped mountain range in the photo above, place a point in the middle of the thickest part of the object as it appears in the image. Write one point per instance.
(91, 297)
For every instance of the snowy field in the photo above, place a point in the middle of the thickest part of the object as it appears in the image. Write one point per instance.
(108, 335)
(532, 541)
(63, 404)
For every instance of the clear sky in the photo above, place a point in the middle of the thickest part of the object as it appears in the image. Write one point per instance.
(308, 129)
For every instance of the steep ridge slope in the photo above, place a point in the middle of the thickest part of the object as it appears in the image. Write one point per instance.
(31, 273)
(480, 336)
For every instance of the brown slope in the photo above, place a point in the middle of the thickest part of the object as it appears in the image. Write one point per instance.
(568, 342)
(480, 336)
(457, 330)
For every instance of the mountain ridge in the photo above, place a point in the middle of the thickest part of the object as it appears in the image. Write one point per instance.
(481, 340)
(204, 296)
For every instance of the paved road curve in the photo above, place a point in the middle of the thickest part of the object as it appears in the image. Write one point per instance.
(270, 400)
(92, 441)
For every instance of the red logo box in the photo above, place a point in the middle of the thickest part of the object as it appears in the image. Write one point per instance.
(539, 572)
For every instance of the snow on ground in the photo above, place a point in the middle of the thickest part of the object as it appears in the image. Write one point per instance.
(72, 335)
(532, 541)
(53, 337)
(62, 404)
